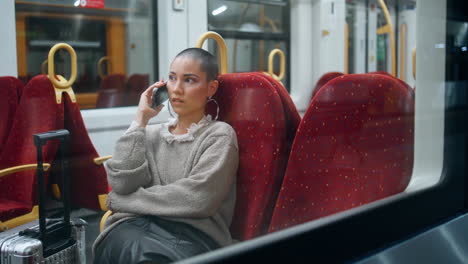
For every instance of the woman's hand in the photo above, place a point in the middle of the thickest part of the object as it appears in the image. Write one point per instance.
(145, 112)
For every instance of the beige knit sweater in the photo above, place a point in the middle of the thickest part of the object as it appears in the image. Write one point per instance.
(187, 178)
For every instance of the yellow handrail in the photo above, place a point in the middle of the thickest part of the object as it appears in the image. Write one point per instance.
(388, 28)
(20, 220)
(221, 48)
(100, 160)
(99, 68)
(24, 167)
(103, 220)
(402, 51)
(72, 52)
(271, 58)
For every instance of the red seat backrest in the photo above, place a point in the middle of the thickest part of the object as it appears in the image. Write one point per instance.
(113, 81)
(88, 180)
(411, 89)
(136, 85)
(37, 112)
(290, 111)
(251, 105)
(323, 80)
(10, 92)
(354, 145)
(109, 98)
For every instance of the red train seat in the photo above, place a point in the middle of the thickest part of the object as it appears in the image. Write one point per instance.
(292, 117)
(111, 91)
(251, 105)
(109, 98)
(354, 146)
(88, 180)
(136, 85)
(37, 112)
(323, 80)
(10, 92)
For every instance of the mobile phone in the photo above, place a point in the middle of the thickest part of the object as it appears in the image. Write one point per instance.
(159, 96)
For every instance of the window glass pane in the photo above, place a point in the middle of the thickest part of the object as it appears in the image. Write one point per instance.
(251, 30)
(114, 45)
(247, 16)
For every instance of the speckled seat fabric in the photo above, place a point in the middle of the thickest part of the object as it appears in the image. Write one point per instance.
(252, 106)
(411, 89)
(323, 80)
(37, 112)
(354, 146)
(290, 111)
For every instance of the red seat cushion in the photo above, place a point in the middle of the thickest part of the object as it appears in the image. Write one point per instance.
(10, 209)
(251, 105)
(354, 145)
(323, 80)
(10, 91)
(37, 112)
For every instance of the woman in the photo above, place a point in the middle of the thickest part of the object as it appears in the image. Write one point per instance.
(173, 184)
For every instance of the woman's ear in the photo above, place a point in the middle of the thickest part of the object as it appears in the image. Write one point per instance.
(212, 87)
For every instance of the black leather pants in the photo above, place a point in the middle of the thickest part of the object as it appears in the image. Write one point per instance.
(150, 239)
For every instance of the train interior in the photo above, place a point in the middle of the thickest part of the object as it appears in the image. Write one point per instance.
(339, 106)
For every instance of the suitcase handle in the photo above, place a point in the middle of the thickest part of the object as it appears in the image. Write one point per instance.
(40, 140)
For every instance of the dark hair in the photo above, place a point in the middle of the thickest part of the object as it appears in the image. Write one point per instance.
(208, 62)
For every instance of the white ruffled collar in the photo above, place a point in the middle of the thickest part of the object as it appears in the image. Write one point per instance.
(189, 136)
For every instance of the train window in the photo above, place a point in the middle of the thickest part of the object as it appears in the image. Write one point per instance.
(252, 29)
(114, 43)
(362, 147)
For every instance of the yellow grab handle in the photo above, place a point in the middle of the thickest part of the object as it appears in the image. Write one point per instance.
(389, 29)
(272, 24)
(223, 63)
(271, 57)
(103, 220)
(99, 67)
(62, 84)
(100, 160)
(19, 168)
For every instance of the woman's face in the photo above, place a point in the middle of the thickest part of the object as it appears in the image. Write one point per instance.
(188, 86)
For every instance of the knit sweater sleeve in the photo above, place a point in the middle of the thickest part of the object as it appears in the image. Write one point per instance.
(128, 170)
(199, 195)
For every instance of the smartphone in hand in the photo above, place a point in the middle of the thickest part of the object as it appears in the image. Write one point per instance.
(159, 96)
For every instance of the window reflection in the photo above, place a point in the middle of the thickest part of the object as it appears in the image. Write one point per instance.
(114, 47)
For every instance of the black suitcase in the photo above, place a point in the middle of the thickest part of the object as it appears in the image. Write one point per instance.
(48, 240)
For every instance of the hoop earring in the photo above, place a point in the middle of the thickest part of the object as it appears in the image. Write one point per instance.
(217, 107)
